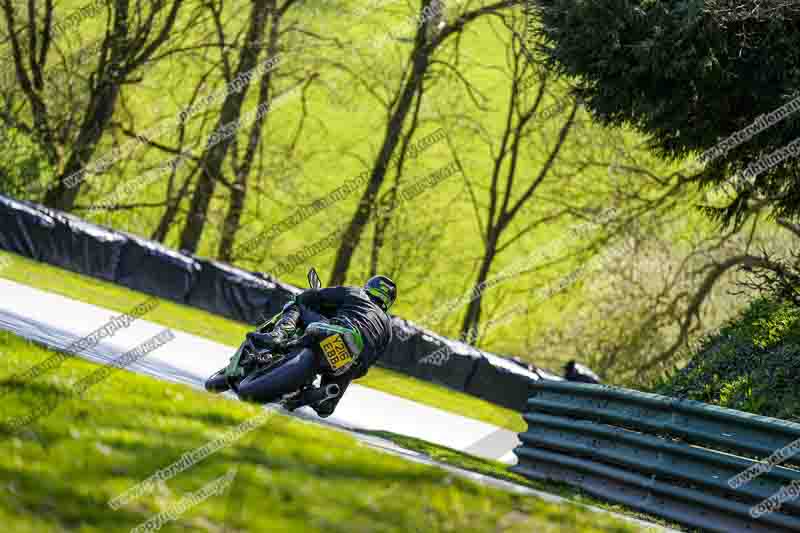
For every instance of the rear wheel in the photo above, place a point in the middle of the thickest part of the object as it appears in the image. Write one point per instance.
(289, 375)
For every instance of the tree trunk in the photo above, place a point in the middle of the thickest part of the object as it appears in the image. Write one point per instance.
(238, 200)
(344, 255)
(173, 204)
(469, 328)
(378, 239)
(214, 156)
(63, 196)
(233, 217)
(384, 217)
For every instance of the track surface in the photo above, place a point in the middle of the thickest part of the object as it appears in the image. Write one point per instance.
(57, 322)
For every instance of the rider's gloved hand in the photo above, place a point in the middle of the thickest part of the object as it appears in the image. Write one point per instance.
(270, 341)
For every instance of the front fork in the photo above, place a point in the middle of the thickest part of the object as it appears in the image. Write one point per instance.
(234, 373)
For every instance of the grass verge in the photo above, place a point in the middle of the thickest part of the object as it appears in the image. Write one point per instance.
(59, 472)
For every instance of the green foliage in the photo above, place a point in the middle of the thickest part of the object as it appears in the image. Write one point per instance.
(684, 78)
(752, 364)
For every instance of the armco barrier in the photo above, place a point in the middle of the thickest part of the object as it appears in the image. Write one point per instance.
(668, 457)
(66, 241)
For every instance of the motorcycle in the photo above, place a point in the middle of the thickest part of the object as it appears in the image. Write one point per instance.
(253, 368)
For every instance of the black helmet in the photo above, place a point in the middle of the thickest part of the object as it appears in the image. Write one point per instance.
(382, 291)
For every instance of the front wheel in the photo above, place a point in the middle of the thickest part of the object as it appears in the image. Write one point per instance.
(217, 383)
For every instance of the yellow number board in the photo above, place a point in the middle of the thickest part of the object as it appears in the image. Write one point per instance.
(336, 351)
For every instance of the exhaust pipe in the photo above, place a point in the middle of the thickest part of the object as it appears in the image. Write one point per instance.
(332, 391)
(328, 392)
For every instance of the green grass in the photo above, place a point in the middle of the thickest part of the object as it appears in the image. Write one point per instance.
(752, 364)
(229, 332)
(60, 472)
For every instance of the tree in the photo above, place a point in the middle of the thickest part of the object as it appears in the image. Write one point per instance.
(216, 152)
(426, 42)
(243, 165)
(129, 43)
(629, 314)
(264, 34)
(511, 185)
(689, 75)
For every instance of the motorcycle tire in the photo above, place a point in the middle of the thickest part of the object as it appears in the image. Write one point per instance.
(217, 383)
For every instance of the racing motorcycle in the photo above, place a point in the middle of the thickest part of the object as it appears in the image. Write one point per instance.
(252, 367)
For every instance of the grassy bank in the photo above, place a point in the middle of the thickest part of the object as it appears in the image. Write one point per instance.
(60, 472)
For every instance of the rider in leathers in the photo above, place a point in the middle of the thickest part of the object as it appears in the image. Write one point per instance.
(358, 314)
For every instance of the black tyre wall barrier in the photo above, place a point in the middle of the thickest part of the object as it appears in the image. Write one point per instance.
(237, 294)
(59, 239)
(428, 356)
(149, 267)
(88, 249)
(502, 382)
(27, 231)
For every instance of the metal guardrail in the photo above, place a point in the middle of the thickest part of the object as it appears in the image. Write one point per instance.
(671, 458)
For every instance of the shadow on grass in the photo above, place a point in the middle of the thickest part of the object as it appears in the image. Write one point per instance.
(38, 389)
(53, 497)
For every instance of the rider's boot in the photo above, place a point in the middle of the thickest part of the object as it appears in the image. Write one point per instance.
(326, 408)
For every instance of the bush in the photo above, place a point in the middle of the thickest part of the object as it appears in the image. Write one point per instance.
(752, 364)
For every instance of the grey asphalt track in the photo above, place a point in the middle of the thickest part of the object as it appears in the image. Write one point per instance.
(56, 321)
